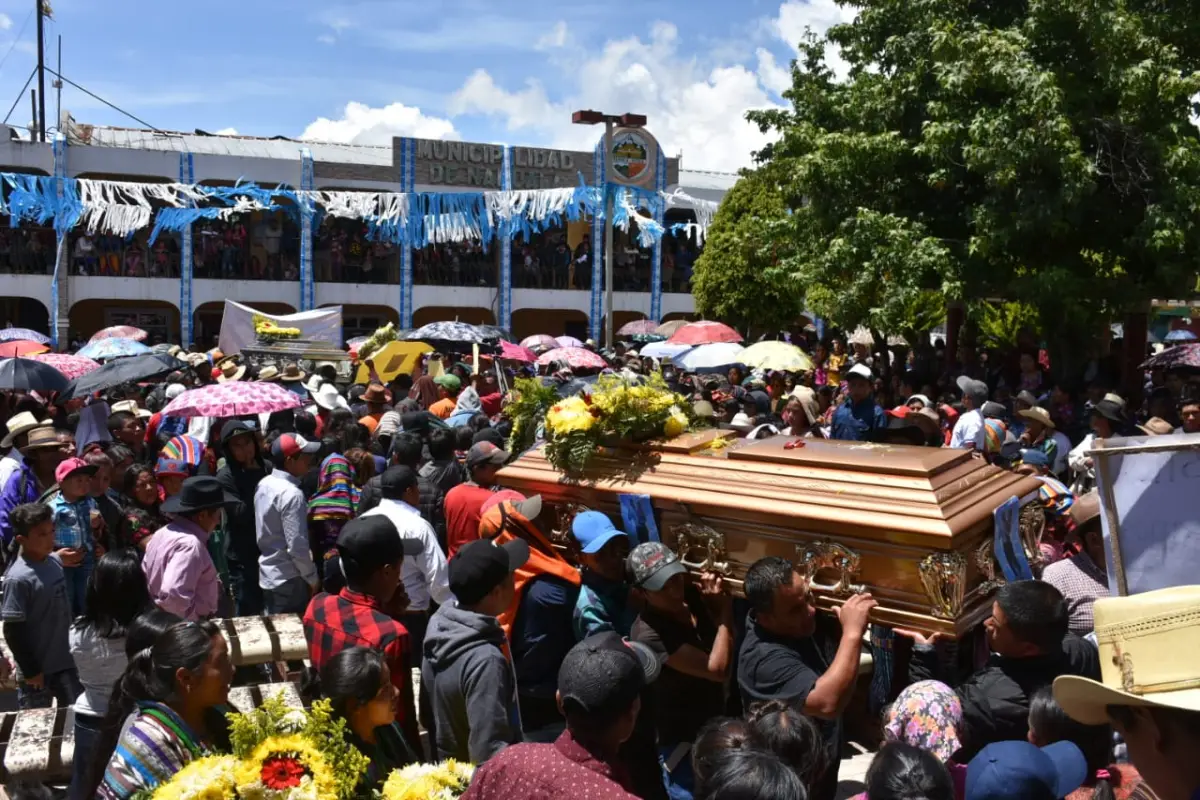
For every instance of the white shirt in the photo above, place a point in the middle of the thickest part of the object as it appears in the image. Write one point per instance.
(425, 575)
(966, 429)
(9, 466)
(281, 527)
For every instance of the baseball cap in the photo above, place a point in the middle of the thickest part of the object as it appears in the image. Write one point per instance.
(593, 530)
(993, 410)
(292, 444)
(374, 539)
(653, 564)
(397, 480)
(976, 390)
(860, 371)
(1035, 458)
(1019, 769)
(485, 453)
(174, 390)
(479, 567)
(70, 466)
(450, 383)
(602, 675)
(527, 507)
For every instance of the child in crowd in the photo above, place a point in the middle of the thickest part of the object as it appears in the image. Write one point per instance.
(75, 515)
(36, 614)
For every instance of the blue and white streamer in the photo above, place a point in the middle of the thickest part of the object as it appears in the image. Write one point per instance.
(598, 177)
(660, 207)
(393, 219)
(506, 240)
(308, 281)
(60, 233)
(187, 175)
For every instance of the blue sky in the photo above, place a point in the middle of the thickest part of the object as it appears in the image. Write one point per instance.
(481, 70)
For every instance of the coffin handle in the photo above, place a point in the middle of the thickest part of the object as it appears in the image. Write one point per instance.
(691, 538)
(813, 557)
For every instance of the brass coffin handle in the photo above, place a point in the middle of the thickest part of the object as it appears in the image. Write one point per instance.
(691, 537)
(813, 557)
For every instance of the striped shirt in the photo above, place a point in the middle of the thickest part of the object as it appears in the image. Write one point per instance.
(156, 745)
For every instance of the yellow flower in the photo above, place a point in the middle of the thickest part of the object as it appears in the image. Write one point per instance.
(208, 778)
(444, 781)
(249, 776)
(676, 424)
(569, 416)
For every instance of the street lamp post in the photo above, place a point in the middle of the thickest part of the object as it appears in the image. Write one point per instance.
(629, 121)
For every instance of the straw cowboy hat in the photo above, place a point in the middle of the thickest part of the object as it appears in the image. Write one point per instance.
(292, 373)
(1145, 656)
(130, 407)
(231, 372)
(1156, 426)
(268, 373)
(22, 423)
(40, 438)
(1038, 414)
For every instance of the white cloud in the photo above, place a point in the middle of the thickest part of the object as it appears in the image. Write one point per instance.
(227, 132)
(774, 77)
(5, 22)
(363, 124)
(795, 16)
(327, 38)
(555, 38)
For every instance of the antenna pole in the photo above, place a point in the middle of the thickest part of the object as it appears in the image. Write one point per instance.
(41, 90)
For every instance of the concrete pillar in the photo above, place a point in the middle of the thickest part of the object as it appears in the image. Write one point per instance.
(308, 288)
(596, 314)
(408, 160)
(187, 175)
(504, 242)
(60, 298)
(659, 209)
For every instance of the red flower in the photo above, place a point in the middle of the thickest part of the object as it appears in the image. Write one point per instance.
(282, 772)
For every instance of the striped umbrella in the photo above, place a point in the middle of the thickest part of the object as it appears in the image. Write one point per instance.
(21, 347)
(67, 364)
(106, 349)
(575, 357)
(25, 334)
(120, 332)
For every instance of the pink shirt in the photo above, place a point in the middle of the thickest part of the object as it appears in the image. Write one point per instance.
(179, 571)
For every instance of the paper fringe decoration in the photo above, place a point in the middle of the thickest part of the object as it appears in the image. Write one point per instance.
(417, 219)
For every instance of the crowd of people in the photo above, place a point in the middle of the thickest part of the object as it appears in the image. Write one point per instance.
(598, 668)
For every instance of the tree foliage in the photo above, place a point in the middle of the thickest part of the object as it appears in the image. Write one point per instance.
(737, 278)
(1041, 151)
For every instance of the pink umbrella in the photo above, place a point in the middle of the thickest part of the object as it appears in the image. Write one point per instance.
(638, 327)
(567, 341)
(704, 332)
(515, 352)
(539, 342)
(120, 332)
(67, 364)
(574, 357)
(232, 399)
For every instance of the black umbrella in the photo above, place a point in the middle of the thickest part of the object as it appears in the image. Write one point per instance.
(495, 332)
(123, 370)
(25, 374)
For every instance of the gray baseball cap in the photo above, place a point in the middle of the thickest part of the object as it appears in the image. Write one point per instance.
(652, 565)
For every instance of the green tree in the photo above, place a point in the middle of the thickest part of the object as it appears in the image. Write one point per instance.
(737, 278)
(1041, 151)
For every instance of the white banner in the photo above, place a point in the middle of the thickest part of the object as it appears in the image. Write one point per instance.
(237, 325)
(1148, 488)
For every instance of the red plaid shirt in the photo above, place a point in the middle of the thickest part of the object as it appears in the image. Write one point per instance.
(335, 622)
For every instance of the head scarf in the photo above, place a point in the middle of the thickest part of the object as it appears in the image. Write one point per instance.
(424, 391)
(926, 715)
(468, 402)
(1055, 496)
(336, 496)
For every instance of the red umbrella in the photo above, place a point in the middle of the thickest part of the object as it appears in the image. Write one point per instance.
(515, 352)
(20, 347)
(638, 327)
(232, 399)
(69, 365)
(704, 332)
(574, 357)
(120, 332)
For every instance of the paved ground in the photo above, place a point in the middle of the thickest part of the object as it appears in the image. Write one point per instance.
(853, 771)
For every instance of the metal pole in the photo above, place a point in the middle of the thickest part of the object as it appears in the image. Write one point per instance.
(608, 242)
(41, 91)
(33, 95)
(58, 84)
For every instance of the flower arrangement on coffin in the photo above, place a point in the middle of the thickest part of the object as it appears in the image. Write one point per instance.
(279, 753)
(376, 341)
(445, 781)
(617, 410)
(526, 405)
(267, 329)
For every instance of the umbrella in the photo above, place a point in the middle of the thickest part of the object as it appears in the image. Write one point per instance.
(104, 349)
(704, 332)
(1180, 335)
(27, 334)
(21, 347)
(776, 356)
(710, 357)
(567, 341)
(668, 328)
(25, 374)
(637, 326)
(67, 364)
(539, 342)
(664, 349)
(187, 449)
(495, 332)
(446, 332)
(1184, 355)
(644, 338)
(232, 399)
(514, 352)
(120, 332)
(123, 370)
(574, 357)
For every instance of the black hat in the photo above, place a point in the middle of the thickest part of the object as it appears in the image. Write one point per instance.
(397, 480)
(480, 566)
(235, 427)
(603, 674)
(373, 539)
(1110, 411)
(199, 493)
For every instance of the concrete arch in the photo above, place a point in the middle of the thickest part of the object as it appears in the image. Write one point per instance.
(24, 312)
(475, 316)
(157, 317)
(552, 321)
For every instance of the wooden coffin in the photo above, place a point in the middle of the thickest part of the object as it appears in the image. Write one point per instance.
(911, 525)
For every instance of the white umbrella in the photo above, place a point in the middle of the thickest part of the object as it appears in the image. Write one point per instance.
(664, 349)
(709, 357)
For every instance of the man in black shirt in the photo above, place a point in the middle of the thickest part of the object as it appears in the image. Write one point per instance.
(790, 654)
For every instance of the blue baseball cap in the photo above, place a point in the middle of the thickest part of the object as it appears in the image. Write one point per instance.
(593, 530)
(1011, 770)
(1035, 458)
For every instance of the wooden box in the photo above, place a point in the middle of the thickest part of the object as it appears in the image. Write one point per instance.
(911, 525)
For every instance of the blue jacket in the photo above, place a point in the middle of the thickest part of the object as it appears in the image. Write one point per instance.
(855, 423)
(22, 487)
